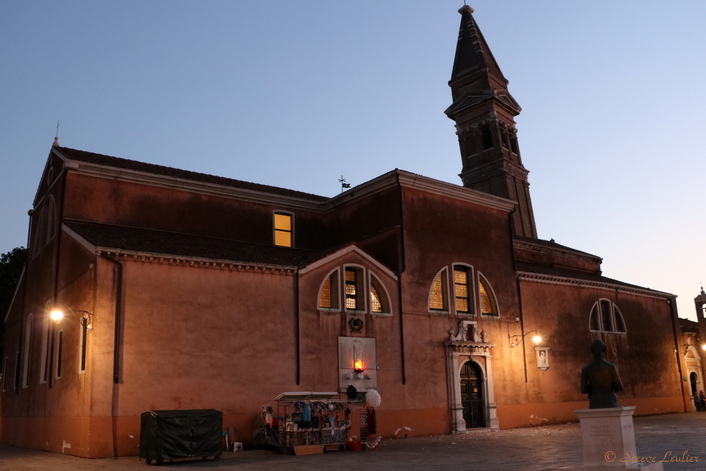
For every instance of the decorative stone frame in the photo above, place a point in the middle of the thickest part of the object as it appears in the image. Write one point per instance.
(542, 357)
(470, 345)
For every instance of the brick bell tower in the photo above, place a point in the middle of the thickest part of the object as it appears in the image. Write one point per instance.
(484, 113)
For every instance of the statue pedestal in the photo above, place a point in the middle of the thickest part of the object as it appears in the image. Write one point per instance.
(609, 440)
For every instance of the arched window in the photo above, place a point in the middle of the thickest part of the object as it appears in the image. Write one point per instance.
(355, 300)
(487, 137)
(379, 300)
(26, 351)
(328, 293)
(606, 317)
(488, 305)
(463, 289)
(437, 294)
(355, 291)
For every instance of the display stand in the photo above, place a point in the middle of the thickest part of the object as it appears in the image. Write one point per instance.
(312, 422)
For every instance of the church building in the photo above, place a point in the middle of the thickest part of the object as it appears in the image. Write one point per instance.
(181, 290)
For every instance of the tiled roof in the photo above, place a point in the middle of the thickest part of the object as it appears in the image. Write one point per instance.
(107, 236)
(100, 159)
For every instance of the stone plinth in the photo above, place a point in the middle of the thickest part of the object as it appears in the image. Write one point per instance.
(609, 439)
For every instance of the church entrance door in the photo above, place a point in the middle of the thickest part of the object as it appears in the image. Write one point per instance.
(472, 395)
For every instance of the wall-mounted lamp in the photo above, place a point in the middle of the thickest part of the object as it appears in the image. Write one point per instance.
(515, 340)
(57, 315)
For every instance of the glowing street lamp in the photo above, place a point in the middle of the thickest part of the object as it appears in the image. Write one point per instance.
(57, 315)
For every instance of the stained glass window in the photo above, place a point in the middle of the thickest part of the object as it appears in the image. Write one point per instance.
(463, 300)
(351, 292)
(375, 304)
(437, 297)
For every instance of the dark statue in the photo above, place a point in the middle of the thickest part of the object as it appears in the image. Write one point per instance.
(600, 379)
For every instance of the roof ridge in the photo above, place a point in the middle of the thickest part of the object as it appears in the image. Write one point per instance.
(146, 167)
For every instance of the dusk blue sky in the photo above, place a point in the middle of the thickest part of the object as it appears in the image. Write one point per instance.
(297, 93)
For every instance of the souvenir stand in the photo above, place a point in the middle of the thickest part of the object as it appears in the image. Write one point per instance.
(311, 422)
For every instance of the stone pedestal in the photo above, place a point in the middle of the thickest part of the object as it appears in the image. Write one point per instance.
(609, 440)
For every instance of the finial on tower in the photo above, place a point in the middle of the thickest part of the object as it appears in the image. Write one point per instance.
(465, 8)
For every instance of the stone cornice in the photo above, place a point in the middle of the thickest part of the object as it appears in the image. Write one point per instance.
(606, 285)
(196, 262)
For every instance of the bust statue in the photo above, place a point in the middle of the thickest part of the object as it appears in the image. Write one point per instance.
(600, 379)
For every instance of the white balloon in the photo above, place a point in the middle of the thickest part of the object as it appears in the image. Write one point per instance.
(372, 397)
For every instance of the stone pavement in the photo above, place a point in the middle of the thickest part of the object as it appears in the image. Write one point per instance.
(677, 437)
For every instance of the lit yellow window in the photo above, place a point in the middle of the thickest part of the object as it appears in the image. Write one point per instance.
(325, 297)
(328, 295)
(463, 300)
(437, 297)
(283, 230)
(487, 301)
(375, 303)
(351, 296)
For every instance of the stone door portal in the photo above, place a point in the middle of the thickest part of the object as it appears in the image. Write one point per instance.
(472, 395)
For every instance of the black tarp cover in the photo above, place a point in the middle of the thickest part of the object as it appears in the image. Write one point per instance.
(171, 434)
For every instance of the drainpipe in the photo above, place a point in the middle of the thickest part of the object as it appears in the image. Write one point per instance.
(675, 326)
(116, 348)
(519, 291)
(296, 327)
(400, 270)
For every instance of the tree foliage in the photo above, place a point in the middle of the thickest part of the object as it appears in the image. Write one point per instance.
(11, 265)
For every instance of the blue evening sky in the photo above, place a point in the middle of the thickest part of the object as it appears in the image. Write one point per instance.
(297, 93)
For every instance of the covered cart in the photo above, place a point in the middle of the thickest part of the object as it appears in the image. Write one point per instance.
(172, 434)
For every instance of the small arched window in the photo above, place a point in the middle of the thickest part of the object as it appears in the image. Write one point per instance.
(328, 293)
(488, 305)
(437, 294)
(379, 300)
(357, 289)
(606, 317)
(487, 137)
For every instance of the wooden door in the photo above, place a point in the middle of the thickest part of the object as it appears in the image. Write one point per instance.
(472, 395)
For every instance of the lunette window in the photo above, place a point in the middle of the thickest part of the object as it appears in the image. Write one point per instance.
(465, 290)
(606, 317)
(353, 292)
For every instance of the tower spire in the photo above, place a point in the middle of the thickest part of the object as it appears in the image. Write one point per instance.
(484, 112)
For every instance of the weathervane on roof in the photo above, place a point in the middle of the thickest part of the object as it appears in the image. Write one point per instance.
(56, 137)
(343, 183)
